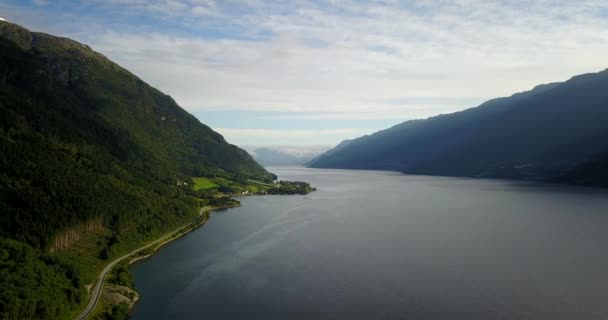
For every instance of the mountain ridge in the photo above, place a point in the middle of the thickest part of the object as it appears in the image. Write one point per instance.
(70, 63)
(539, 134)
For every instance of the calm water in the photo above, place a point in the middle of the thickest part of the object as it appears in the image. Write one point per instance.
(380, 245)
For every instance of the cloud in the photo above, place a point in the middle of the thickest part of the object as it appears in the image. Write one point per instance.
(236, 132)
(318, 60)
(299, 151)
(282, 137)
(343, 60)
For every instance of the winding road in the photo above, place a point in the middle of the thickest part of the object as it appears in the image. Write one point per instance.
(96, 292)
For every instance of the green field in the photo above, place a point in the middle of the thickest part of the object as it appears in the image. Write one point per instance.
(224, 185)
(203, 183)
(229, 187)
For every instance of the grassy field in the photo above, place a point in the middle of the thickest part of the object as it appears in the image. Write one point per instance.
(203, 183)
(228, 186)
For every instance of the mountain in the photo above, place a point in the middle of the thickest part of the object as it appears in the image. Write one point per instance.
(329, 152)
(88, 150)
(554, 132)
(285, 156)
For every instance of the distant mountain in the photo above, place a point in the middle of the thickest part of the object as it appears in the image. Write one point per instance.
(87, 148)
(285, 155)
(329, 152)
(554, 132)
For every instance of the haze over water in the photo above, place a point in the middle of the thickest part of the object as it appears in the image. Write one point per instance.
(382, 245)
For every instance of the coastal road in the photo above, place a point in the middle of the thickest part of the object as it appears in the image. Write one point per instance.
(96, 292)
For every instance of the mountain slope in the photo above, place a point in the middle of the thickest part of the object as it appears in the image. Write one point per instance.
(540, 134)
(329, 152)
(87, 148)
(71, 102)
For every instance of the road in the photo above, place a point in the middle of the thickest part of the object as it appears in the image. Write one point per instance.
(96, 292)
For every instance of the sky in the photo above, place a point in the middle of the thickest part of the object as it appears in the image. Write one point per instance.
(312, 73)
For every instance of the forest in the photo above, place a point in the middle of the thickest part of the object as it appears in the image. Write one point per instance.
(92, 163)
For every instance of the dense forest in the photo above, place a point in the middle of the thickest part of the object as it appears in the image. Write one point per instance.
(89, 152)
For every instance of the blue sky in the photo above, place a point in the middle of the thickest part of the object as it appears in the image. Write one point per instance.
(316, 72)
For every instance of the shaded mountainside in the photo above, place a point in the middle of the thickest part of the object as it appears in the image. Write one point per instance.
(87, 146)
(555, 132)
(329, 152)
(593, 172)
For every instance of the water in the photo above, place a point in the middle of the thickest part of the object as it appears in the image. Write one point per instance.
(381, 245)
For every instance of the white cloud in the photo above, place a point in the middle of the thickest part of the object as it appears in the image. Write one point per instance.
(350, 59)
(282, 137)
(300, 151)
(238, 132)
(204, 7)
(316, 60)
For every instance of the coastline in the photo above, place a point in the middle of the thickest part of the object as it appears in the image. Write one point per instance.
(156, 245)
(180, 233)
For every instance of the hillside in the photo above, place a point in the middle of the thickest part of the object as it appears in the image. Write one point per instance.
(90, 155)
(554, 132)
(329, 152)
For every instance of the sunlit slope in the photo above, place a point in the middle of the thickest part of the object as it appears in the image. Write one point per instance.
(82, 137)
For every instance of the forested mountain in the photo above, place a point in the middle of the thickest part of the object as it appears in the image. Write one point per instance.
(86, 145)
(555, 132)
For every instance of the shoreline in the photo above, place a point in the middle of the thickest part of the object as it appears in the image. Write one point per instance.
(162, 241)
(156, 244)
(179, 233)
